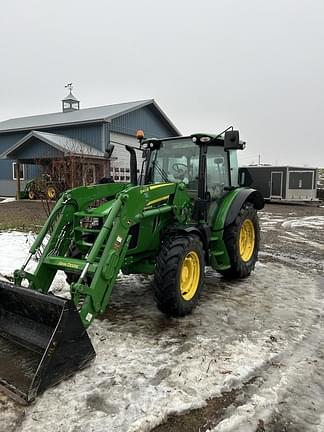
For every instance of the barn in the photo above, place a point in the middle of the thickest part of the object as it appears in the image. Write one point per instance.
(81, 136)
(281, 183)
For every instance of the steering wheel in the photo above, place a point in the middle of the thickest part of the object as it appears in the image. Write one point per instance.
(176, 168)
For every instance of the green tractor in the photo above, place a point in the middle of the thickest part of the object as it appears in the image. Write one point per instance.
(43, 187)
(188, 212)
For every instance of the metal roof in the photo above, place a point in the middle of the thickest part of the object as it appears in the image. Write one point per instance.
(66, 145)
(85, 115)
(70, 96)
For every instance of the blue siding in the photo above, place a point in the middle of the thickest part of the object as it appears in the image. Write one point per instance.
(31, 171)
(147, 118)
(33, 151)
(90, 134)
(9, 139)
(5, 170)
(37, 149)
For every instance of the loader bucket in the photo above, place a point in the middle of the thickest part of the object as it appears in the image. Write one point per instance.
(42, 341)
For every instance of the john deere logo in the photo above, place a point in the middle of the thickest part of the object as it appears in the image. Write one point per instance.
(68, 264)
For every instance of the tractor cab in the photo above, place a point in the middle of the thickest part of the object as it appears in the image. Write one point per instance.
(206, 164)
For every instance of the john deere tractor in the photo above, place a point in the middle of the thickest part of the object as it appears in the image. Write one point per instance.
(188, 212)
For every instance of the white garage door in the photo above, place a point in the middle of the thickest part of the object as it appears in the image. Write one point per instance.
(120, 170)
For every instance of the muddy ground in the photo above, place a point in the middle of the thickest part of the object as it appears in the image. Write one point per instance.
(290, 236)
(253, 349)
(24, 215)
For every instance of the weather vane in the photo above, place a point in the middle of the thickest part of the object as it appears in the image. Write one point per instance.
(69, 86)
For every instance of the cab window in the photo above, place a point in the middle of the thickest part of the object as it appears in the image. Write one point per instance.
(217, 172)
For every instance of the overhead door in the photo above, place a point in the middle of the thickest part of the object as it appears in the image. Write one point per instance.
(120, 167)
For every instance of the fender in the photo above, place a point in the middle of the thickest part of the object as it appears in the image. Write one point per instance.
(231, 205)
(203, 232)
(252, 195)
(225, 215)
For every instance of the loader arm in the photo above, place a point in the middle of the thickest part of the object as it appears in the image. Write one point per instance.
(128, 206)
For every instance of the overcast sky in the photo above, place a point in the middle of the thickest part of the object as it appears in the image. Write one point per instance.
(254, 64)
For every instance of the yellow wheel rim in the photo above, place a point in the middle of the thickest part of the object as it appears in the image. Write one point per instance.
(51, 193)
(31, 195)
(247, 240)
(189, 275)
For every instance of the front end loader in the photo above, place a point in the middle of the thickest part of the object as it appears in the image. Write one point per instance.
(187, 213)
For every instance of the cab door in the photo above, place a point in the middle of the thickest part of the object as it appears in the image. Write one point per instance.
(217, 172)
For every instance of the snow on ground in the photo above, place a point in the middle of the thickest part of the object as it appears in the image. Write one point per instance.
(309, 222)
(149, 366)
(300, 238)
(14, 247)
(4, 200)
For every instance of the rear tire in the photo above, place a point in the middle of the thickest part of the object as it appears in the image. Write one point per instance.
(179, 275)
(242, 240)
(51, 193)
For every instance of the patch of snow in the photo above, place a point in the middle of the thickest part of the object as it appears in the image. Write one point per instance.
(307, 222)
(6, 200)
(14, 248)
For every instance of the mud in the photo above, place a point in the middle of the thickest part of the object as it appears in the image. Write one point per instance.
(24, 215)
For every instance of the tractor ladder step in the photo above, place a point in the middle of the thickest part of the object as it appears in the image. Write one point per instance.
(217, 253)
(87, 230)
(83, 243)
(95, 212)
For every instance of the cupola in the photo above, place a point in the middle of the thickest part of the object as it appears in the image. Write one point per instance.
(70, 102)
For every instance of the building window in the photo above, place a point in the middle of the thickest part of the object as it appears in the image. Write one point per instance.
(21, 171)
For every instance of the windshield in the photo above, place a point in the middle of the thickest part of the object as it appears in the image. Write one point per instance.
(175, 161)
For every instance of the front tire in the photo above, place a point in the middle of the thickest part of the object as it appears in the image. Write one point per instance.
(31, 194)
(179, 275)
(242, 240)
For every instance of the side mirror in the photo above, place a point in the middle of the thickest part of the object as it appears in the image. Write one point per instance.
(232, 141)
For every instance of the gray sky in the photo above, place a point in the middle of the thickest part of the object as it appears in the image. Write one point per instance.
(254, 64)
